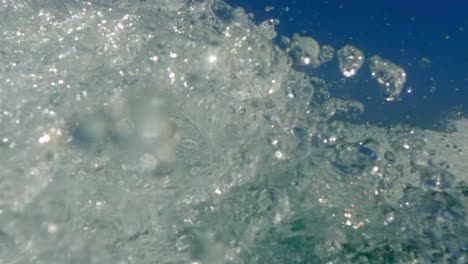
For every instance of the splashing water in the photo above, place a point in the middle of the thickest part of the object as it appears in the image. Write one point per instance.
(173, 132)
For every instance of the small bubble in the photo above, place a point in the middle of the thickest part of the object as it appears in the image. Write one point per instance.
(389, 76)
(350, 60)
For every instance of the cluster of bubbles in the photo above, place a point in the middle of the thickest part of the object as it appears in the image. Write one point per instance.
(307, 51)
(173, 131)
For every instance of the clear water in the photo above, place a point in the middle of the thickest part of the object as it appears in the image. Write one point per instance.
(176, 131)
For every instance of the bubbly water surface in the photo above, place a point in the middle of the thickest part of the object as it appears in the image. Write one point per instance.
(174, 131)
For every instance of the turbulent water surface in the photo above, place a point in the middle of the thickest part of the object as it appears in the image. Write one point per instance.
(176, 131)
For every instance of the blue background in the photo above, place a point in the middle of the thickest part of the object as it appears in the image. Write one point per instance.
(403, 32)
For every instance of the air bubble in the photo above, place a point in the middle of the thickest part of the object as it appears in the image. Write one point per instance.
(327, 53)
(389, 76)
(305, 51)
(267, 28)
(350, 60)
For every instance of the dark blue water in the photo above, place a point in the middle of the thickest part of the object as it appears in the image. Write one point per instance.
(429, 40)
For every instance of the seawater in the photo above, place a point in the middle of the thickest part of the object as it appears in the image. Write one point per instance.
(178, 132)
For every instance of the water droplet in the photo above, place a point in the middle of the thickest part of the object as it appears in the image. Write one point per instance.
(350, 60)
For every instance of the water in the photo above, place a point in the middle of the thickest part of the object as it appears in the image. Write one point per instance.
(427, 40)
(175, 132)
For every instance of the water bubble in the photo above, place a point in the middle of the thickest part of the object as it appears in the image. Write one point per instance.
(389, 76)
(368, 152)
(333, 106)
(327, 53)
(436, 179)
(267, 28)
(350, 60)
(305, 51)
(350, 160)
